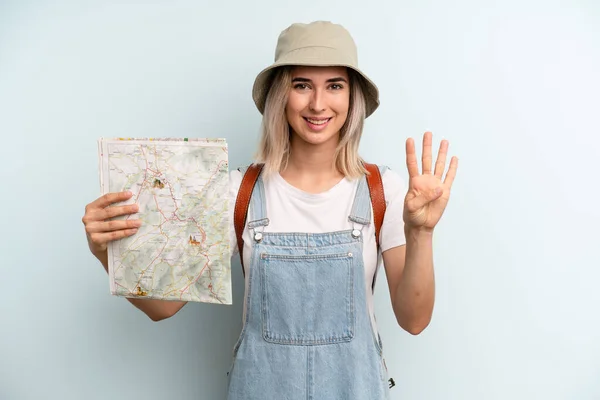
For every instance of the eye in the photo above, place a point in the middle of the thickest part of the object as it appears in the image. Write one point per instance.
(301, 86)
(336, 86)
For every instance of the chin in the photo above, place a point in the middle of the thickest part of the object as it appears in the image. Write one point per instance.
(331, 133)
(318, 138)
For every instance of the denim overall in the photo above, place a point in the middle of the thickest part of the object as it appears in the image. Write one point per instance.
(307, 332)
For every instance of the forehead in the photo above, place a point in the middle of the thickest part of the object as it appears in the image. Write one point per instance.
(316, 73)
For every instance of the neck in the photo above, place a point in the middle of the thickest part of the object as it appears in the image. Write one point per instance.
(311, 167)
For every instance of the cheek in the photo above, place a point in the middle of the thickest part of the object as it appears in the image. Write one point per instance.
(294, 105)
(291, 115)
(341, 105)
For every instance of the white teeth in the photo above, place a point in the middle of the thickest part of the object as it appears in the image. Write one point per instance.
(319, 122)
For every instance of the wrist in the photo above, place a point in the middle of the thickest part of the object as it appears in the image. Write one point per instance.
(417, 232)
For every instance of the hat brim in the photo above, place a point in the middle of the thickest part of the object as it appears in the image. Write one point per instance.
(262, 83)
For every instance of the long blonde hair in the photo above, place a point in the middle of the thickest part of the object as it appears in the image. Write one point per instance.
(274, 144)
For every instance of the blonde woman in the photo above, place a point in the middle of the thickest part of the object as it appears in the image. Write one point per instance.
(309, 233)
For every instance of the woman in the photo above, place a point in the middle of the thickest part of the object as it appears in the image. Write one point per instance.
(309, 247)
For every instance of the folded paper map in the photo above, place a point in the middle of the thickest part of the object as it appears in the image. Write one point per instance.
(181, 251)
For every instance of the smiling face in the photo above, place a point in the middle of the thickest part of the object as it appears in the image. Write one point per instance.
(318, 104)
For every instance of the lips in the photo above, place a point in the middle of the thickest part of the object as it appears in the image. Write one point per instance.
(317, 121)
(316, 124)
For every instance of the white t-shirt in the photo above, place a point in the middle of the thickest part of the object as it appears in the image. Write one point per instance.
(290, 209)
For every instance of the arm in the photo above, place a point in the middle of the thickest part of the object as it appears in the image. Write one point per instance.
(156, 310)
(410, 276)
(409, 268)
(100, 230)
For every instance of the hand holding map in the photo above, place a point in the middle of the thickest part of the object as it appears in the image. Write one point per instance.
(99, 231)
(181, 248)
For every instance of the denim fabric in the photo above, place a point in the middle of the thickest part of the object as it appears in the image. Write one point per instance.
(307, 333)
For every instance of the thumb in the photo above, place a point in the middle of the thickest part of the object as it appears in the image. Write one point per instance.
(421, 200)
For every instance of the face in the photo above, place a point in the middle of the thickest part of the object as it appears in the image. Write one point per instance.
(318, 103)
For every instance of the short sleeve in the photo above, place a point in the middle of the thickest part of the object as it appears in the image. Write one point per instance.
(392, 230)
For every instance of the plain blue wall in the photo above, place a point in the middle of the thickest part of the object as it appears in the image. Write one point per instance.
(513, 85)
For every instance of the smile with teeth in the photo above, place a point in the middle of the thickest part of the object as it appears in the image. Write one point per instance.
(317, 121)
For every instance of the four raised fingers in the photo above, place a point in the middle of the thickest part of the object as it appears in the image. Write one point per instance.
(426, 157)
(411, 158)
(451, 172)
(440, 164)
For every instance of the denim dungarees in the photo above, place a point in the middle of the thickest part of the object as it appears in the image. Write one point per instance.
(307, 333)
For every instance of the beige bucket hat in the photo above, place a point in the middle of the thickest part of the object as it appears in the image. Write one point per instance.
(319, 43)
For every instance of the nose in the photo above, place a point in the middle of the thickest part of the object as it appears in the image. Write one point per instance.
(317, 102)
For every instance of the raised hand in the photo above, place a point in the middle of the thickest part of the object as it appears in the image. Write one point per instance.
(427, 194)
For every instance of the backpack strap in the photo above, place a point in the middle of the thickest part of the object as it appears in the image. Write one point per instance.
(377, 194)
(242, 203)
(375, 183)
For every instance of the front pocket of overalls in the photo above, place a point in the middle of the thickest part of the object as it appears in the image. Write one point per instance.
(308, 299)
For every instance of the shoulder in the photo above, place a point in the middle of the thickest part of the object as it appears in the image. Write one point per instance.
(235, 178)
(392, 179)
(394, 184)
(235, 181)
(237, 174)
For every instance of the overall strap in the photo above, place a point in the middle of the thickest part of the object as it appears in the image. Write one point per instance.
(251, 174)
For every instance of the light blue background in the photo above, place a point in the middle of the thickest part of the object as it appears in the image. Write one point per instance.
(514, 86)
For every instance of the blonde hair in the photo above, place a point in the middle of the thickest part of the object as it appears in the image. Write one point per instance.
(274, 144)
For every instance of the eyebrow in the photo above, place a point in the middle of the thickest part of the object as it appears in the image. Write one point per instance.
(332, 80)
